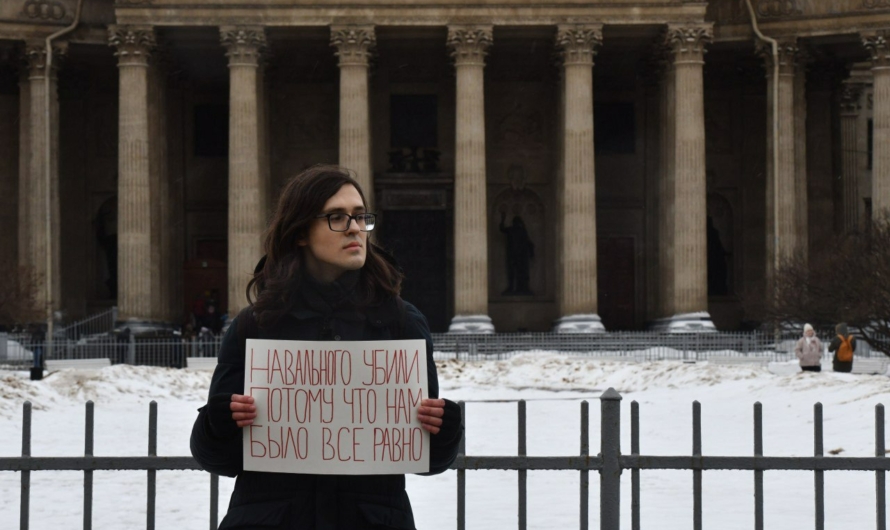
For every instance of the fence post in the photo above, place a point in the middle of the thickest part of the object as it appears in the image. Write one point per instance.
(610, 447)
(131, 351)
(3, 338)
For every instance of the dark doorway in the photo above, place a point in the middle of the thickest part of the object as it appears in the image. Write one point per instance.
(615, 282)
(418, 239)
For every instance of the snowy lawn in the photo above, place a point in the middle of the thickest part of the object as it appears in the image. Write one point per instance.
(553, 386)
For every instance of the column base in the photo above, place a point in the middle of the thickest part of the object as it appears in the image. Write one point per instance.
(471, 324)
(579, 324)
(699, 322)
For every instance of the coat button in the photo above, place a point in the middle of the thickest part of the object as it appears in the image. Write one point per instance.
(336, 337)
(379, 322)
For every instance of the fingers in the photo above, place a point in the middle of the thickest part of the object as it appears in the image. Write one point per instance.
(243, 410)
(430, 414)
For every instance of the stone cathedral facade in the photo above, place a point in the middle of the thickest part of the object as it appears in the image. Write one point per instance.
(536, 165)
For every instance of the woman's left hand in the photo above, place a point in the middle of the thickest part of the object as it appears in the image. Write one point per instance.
(430, 414)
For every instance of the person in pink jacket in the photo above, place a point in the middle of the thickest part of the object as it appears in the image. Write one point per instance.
(809, 350)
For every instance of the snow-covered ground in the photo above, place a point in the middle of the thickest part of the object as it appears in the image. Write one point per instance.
(553, 386)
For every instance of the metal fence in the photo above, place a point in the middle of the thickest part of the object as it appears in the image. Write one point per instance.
(640, 345)
(609, 463)
(18, 351)
(171, 351)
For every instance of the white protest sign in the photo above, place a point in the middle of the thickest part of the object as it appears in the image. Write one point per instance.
(336, 407)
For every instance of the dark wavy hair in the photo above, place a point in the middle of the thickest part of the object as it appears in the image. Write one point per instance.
(271, 292)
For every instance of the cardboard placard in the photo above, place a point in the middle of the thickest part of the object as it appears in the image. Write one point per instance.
(336, 407)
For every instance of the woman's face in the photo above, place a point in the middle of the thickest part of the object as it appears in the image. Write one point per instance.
(809, 333)
(329, 254)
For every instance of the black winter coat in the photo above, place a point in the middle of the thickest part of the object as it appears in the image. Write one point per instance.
(319, 502)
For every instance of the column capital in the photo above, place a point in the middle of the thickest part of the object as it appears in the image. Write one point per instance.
(244, 44)
(686, 42)
(34, 54)
(789, 55)
(134, 44)
(578, 43)
(850, 98)
(355, 44)
(469, 44)
(876, 44)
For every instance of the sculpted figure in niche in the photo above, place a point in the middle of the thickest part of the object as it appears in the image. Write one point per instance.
(520, 251)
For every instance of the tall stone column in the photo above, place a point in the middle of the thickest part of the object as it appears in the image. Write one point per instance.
(354, 47)
(850, 107)
(782, 240)
(43, 247)
(685, 259)
(245, 45)
(469, 45)
(134, 255)
(877, 44)
(577, 239)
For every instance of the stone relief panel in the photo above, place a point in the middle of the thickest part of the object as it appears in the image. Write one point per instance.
(518, 124)
(736, 11)
(49, 10)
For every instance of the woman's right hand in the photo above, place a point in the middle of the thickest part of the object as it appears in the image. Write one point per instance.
(227, 413)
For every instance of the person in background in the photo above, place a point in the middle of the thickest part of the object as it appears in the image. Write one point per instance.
(809, 350)
(843, 346)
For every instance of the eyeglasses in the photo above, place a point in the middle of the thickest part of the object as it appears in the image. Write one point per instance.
(340, 222)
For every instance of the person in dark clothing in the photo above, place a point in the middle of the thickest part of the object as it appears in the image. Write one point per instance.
(212, 320)
(322, 279)
(838, 346)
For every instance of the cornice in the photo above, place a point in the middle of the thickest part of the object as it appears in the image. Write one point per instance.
(415, 13)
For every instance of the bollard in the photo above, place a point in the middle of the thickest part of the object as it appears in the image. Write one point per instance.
(131, 351)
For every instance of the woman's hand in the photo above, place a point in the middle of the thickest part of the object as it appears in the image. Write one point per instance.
(430, 414)
(243, 410)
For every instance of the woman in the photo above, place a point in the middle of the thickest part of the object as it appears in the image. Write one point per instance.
(322, 279)
(809, 350)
